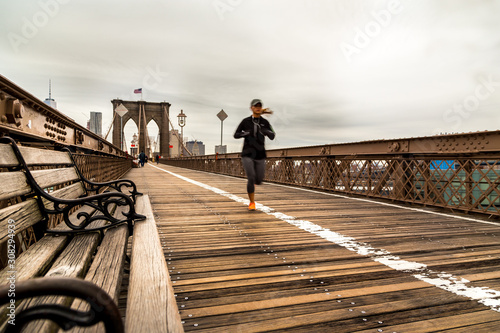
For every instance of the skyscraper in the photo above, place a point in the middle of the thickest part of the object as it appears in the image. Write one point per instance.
(196, 147)
(50, 101)
(95, 122)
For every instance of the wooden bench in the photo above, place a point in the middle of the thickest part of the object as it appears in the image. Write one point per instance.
(77, 267)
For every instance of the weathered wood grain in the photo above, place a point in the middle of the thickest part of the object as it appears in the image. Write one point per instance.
(72, 262)
(7, 156)
(106, 270)
(68, 256)
(13, 184)
(36, 156)
(234, 270)
(51, 177)
(465, 321)
(24, 215)
(72, 191)
(34, 262)
(150, 290)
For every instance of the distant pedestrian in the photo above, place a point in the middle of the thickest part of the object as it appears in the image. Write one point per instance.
(142, 158)
(254, 129)
(157, 158)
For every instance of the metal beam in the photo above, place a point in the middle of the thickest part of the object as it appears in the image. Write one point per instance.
(24, 116)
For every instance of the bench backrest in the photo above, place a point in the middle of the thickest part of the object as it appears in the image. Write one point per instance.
(49, 168)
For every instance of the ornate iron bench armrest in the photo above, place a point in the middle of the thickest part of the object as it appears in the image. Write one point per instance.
(102, 203)
(114, 184)
(102, 307)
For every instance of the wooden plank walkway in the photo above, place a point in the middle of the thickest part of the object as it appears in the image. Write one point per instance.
(401, 270)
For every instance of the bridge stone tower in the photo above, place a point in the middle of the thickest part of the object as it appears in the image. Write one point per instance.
(142, 112)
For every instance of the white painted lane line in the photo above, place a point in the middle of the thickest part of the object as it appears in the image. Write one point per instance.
(368, 200)
(391, 205)
(443, 280)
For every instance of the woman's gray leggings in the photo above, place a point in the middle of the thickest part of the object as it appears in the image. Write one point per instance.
(255, 170)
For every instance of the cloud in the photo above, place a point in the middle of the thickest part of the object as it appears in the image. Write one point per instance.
(430, 56)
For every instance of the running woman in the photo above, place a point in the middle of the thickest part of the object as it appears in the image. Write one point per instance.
(254, 129)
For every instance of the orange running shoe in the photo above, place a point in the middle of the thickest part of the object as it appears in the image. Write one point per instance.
(251, 206)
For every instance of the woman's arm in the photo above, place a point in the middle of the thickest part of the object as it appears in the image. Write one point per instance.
(240, 132)
(268, 131)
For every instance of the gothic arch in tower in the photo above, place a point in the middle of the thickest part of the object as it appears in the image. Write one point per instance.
(142, 112)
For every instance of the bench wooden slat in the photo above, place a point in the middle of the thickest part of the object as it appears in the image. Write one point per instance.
(52, 177)
(149, 280)
(111, 257)
(13, 184)
(7, 156)
(24, 214)
(72, 262)
(69, 192)
(36, 156)
(35, 260)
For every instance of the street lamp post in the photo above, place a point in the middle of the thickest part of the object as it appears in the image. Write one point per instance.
(181, 118)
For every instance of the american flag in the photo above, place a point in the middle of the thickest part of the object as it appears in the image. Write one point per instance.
(138, 91)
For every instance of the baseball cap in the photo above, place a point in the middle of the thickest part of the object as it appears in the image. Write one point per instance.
(256, 101)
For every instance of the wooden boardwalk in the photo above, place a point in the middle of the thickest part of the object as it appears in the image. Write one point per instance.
(288, 268)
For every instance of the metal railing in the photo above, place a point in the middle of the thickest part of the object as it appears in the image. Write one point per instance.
(99, 168)
(458, 172)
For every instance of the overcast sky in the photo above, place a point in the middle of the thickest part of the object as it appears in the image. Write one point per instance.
(332, 71)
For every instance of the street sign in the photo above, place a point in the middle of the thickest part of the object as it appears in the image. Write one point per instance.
(121, 110)
(222, 115)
